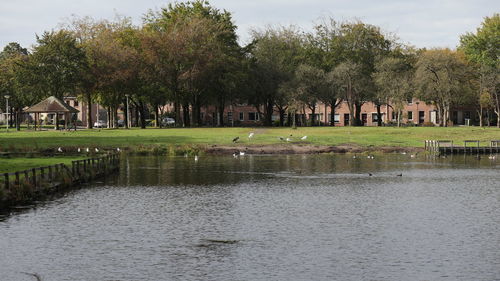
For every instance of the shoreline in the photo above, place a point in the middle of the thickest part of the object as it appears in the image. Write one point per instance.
(306, 149)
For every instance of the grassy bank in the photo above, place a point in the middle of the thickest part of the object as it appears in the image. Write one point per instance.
(330, 136)
(8, 165)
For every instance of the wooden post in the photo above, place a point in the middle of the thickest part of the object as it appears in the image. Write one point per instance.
(50, 174)
(6, 178)
(17, 178)
(33, 171)
(26, 176)
(42, 173)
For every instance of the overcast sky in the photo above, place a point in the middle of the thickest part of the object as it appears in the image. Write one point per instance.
(423, 23)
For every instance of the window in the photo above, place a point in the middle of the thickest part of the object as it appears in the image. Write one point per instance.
(242, 116)
(229, 116)
(410, 115)
(75, 103)
(410, 101)
(374, 117)
(253, 116)
(336, 118)
(394, 115)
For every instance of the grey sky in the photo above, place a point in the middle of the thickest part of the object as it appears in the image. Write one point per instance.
(423, 23)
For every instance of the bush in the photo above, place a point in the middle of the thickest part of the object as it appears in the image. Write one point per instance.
(428, 124)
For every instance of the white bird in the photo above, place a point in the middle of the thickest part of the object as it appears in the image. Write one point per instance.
(288, 139)
(196, 158)
(59, 150)
(185, 155)
(242, 153)
(235, 155)
(118, 149)
(79, 150)
(88, 150)
(250, 135)
(492, 157)
(370, 157)
(404, 152)
(354, 157)
(413, 155)
(303, 138)
(96, 149)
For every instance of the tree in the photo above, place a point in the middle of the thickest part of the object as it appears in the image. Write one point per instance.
(442, 77)
(276, 54)
(311, 84)
(351, 79)
(393, 78)
(193, 49)
(481, 48)
(56, 66)
(12, 56)
(57, 63)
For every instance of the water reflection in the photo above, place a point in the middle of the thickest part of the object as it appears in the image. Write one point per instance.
(292, 217)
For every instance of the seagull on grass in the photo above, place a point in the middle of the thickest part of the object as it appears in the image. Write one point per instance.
(303, 138)
(79, 150)
(96, 149)
(59, 150)
(250, 135)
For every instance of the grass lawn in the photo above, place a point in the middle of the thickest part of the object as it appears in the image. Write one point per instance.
(363, 136)
(8, 165)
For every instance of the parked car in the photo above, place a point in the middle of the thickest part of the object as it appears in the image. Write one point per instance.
(100, 124)
(167, 121)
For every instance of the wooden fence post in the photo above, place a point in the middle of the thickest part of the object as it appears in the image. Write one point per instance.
(17, 178)
(6, 178)
(33, 171)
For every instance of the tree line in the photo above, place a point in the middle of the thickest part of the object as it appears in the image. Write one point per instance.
(188, 54)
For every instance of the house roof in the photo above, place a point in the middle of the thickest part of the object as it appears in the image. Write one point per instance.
(51, 105)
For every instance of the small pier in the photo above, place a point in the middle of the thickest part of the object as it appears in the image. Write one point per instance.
(468, 147)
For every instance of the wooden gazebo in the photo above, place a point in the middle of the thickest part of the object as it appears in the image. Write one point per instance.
(52, 105)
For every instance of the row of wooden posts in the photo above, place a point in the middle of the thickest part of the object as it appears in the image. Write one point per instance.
(470, 146)
(80, 170)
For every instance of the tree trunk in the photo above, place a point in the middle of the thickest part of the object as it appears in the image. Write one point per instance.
(282, 116)
(268, 113)
(379, 116)
(357, 115)
(332, 119)
(480, 113)
(18, 119)
(313, 119)
(220, 115)
(177, 110)
(142, 114)
(89, 110)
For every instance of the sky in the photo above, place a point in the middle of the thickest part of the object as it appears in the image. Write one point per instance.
(422, 23)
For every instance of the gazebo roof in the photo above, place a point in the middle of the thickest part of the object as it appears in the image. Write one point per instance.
(51, 105)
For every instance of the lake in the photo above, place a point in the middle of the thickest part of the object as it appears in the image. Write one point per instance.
(287, 217)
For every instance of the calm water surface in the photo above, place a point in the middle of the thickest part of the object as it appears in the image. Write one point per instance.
(266, 218)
